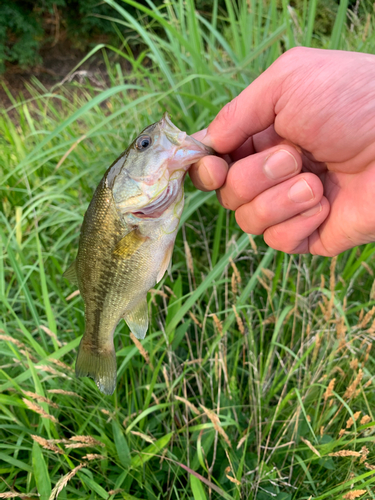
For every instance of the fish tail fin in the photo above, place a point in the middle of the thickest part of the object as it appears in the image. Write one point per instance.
(99, 365)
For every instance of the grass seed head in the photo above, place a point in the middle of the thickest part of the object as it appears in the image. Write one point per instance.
(65, 393)
(38, 409)
(63, 481)
(364, 452)
(141, 349)
(94, 456)
(351, 420)
(351, 390)
(365, 419)
(311, 446)
(193, 408)
(216, 423)
(329, 391)
(45, 443)
(239, 321)
(40, 399)
(352, 495)
(345, 453)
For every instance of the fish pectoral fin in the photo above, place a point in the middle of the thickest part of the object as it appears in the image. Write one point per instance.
(71, 273)
(166, 264)
(137, 319)
(129, 244)
(99, 364)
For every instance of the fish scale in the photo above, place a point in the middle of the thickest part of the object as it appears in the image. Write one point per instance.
(127, 239)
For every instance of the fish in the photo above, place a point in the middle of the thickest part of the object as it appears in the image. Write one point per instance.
(127, 239)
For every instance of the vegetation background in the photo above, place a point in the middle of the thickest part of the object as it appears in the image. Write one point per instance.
(255, 380)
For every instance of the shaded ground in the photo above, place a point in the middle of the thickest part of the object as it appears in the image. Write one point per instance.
(57, 62)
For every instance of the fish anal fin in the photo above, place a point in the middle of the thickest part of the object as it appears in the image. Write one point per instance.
(99, 364)
(71, 273)
(137, 319)
(129, 244)
(166, 264)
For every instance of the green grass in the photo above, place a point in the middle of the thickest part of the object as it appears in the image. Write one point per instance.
(230, 398)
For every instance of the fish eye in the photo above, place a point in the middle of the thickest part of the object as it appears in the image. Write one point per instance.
(143, 142)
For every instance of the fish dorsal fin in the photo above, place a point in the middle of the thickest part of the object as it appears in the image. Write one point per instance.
(129, 244)
(71, 273)
(166, 264)
(137, 319)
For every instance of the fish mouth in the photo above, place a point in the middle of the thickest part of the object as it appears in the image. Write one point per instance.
(160, 204)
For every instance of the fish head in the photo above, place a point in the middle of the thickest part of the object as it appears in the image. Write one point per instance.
(148, 177)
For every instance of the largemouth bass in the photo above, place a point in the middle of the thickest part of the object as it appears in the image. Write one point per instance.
(127, 240)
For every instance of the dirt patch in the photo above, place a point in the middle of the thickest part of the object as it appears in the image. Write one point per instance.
(57, 63)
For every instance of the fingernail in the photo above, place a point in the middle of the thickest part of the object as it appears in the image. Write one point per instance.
(300, 192)
(206, 177)
(206, 138)
(280, 164)
(313, 211)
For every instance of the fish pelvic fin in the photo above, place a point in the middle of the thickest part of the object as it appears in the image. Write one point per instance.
(99, 364)
(137, 319)
(71, 273)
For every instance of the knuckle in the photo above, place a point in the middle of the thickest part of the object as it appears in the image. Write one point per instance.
(228, 112)
(248, 221)
(261, 214)
(276, 238)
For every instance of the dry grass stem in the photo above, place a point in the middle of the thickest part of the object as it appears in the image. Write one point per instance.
(193, 408)
(38, 409)
(51, 370)
(194, 318)
(253, 244)
(60, 364)
(8, 338)
(72, 295)
(63, 481)
(312, 447)
(51, 334)
(189, 258)
(141, 349)
(149, 439)
(241, 441)
(232, 479)
(15, 494)
(216, 423)
(264, 284)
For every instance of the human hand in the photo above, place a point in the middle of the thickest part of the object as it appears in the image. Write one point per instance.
(300, 144)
